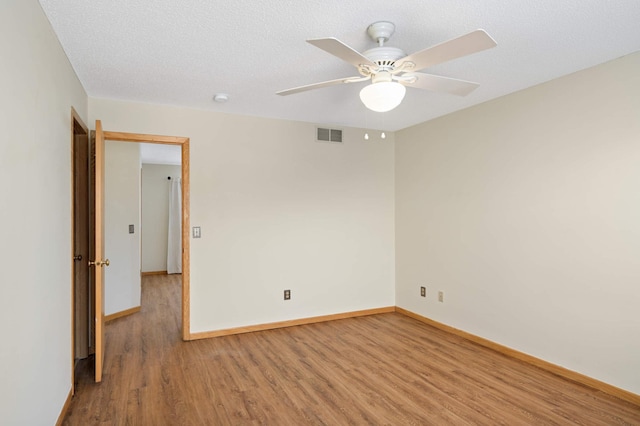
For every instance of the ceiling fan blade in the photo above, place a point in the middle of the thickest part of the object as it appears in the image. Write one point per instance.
(467, 44)
(337, 48)
(319, 85)
(438, 83)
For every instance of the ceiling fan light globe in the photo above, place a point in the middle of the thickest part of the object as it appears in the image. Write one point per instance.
(383, 96)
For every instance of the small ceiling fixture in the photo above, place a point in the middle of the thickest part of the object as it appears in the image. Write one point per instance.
(221, 97)
(390, 70)
(383, 135)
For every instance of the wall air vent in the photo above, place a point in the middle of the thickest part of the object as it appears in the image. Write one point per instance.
(329, 135)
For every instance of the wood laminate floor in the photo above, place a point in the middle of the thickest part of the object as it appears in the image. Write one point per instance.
(384, 369)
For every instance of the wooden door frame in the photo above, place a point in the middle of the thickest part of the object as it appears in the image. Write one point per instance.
(183, 142)
(75, 120)
(99, 261)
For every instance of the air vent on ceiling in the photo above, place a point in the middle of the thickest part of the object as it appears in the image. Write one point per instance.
(329, 135)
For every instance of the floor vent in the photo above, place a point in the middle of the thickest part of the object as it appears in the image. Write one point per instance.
(329, 135)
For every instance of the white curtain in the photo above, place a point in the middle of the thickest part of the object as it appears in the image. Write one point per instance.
(174, 246)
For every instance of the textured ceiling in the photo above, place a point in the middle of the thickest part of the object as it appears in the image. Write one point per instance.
(183, 52)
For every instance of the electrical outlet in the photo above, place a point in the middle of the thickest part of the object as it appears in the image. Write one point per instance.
(287, 294)
(441, 296)
(423, 292)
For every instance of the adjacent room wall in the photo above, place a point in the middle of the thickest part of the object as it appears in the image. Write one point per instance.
(525, 211)
(122, 208)
(38, 89)
(155, 214)
(278, 211)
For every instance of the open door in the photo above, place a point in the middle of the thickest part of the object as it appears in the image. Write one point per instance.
(98, 263)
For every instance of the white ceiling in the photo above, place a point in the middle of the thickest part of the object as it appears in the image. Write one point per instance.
(154, 153)
(183, 52)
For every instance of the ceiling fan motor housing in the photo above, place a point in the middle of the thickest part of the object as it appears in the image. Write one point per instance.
(384, 56)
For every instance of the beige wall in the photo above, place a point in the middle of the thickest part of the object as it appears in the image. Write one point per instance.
(155, 214)
(38, 88)
(277, 211)
(122, 208)
(525, 211)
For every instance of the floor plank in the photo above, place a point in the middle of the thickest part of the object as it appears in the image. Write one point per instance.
(380, 369)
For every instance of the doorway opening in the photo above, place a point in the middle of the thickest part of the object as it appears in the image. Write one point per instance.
(183, 143)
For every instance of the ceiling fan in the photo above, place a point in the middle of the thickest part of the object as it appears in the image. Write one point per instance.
(391, 70)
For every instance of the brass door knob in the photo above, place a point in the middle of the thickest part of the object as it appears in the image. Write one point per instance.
(99, 263)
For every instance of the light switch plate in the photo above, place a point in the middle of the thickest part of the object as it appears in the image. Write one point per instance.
(131, 229)
(196, 232)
